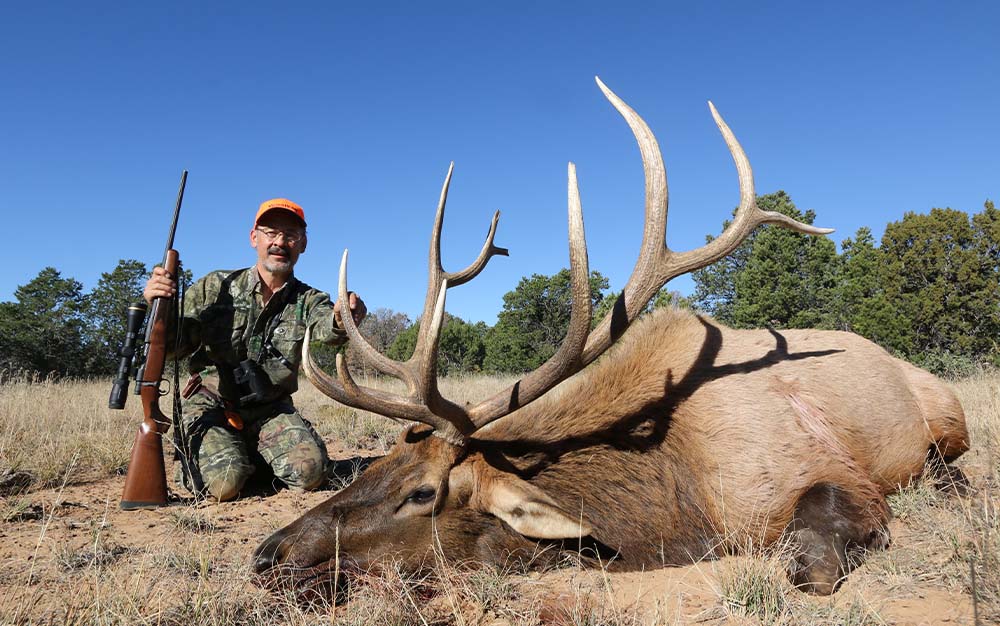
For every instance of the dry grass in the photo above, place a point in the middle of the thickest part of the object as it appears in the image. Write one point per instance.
(55, 430)
(62, 434)
(63, 431)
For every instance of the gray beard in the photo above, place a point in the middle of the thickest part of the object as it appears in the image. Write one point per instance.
(278, 267)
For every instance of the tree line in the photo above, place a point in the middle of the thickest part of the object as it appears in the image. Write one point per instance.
(929, 292)
(54, 328)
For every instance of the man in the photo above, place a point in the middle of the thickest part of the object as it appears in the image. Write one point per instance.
(248, 327)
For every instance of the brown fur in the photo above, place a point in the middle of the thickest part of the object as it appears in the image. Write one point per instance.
(687, 439)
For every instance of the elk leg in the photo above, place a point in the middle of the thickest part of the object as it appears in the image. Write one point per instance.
(829, 532)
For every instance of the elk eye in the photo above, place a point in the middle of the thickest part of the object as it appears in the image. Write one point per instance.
(422, 495)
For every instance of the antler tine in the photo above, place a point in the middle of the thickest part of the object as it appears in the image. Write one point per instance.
(393, 407)
(748, 215)
(378, 401)
(566, 360)
(348, 393)
(367, 351)
(657, 264)
(489, 250)
(434, 267)
(425, 354)
(435, 271)
(326, 384)
(423, 402)
(645, 280)
(421, 368)
(654, 230)
(454, 430)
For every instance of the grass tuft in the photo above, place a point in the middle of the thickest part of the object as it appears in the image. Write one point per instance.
(19, 509)
(192, 521)
(755, 588)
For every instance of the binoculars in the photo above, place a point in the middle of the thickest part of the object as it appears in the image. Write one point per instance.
(251, 378)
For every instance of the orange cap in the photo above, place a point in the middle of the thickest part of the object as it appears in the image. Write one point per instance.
(280, 203)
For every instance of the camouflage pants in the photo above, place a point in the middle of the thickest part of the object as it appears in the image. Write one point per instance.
(274, 434)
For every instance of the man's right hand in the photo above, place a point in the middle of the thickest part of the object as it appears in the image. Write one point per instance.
(159, 285)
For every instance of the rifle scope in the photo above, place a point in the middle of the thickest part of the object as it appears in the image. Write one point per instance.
(136, 315)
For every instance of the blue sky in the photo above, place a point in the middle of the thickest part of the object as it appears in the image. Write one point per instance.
(861, 111)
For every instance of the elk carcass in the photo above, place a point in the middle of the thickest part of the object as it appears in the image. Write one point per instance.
(686, 440)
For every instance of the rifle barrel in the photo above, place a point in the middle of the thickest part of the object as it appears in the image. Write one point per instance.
(177, 212)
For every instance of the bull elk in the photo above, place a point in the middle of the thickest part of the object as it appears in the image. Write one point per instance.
(684, 440)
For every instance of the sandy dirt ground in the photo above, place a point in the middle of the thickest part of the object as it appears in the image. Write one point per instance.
(54, 526)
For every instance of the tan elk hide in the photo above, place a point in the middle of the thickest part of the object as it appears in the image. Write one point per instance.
(685, 441)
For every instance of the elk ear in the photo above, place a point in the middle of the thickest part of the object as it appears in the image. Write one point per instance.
(524, 507)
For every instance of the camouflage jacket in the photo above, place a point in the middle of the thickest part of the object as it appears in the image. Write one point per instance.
(225, 322)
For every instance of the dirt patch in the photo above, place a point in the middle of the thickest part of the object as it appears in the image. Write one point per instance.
(76, 538)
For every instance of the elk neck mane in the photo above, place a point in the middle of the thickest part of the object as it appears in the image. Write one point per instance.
(655, 354)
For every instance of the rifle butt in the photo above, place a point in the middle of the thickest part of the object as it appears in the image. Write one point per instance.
(146, 480)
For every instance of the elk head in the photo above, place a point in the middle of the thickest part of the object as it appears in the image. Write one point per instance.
(440, 485)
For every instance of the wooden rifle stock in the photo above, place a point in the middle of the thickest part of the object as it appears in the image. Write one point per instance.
(146, 480)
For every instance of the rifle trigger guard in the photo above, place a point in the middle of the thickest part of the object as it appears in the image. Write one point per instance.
(159, 390)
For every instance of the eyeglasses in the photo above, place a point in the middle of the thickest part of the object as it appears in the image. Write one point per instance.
(291, 236)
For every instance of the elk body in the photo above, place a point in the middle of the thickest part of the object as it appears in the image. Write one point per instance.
(687, 440)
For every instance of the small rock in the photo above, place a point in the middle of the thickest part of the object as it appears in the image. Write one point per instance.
(12, 483)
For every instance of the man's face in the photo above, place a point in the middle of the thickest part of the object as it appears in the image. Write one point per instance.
(279, 239)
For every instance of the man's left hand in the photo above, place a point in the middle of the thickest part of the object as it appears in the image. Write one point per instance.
(357, 306)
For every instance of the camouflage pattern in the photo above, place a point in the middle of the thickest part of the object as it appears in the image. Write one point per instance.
(294, 450)
(224, 322)
(275, 435)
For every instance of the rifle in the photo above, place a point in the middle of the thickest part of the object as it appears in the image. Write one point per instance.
(146, 480)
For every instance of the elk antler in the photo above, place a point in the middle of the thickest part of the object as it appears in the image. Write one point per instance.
(423, 402)
(656, 265)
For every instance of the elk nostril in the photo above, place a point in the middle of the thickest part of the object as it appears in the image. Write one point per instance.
(262, 564)
(267, 555)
